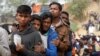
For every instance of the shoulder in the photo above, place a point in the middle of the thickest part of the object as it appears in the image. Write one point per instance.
(2, 31)
(52, 34)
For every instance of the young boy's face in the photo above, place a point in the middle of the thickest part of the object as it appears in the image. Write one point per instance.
(46, 24)
(36, 24)
(64, 16)
(22, 19)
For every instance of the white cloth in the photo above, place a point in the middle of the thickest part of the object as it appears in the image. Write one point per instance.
(91, 29)
(53, 26)
(44, 40)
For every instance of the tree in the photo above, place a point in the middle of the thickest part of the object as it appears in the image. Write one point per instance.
(77, 7)
(17, 2)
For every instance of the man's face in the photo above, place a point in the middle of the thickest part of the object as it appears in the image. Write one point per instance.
(46, 24)
(54, 9)
(36, 24)
(64, 17)
(22, 19)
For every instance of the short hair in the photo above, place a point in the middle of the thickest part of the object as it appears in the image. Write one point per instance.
(24, 9)
(46, 15)
(33, 4)
(64, 12)
(35, 17)
(58, 4)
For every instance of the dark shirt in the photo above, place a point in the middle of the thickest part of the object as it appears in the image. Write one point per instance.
(29, 38)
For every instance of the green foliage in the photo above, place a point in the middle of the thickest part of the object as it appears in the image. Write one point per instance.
(17, 2)
(73, 26)
(77, 6)
(43, 1)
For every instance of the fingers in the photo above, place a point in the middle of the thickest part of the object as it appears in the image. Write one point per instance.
(19, 47)
(56, 42)
(39, 43)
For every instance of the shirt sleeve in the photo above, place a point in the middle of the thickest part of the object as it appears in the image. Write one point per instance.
(4, 46)
(52, 49)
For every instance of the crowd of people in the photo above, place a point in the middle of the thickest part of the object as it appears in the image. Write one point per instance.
(46, 34)
(38, 35)
(87, 45)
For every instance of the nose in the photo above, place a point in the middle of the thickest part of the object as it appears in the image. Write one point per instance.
(35, 26)
(46, 23)
(23, 18)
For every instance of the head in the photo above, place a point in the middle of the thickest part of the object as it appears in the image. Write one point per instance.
(36, 21)
(46, 21)
(23, 15)
(33, 7)
(55, 9)
(33, 4)
(65, 17)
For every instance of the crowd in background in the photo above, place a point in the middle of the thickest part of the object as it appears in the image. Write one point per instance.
(87, 45)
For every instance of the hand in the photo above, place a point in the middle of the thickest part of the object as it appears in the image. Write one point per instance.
(20, 48)
(39, 48)
(56, 42)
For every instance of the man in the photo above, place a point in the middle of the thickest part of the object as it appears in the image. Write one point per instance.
(4, 46)
(36, 8)
(65, 20)
(55, 9)
(28, 37)
(49, 34)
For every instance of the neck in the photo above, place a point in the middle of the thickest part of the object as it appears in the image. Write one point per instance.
(55, 20)
(22, 27)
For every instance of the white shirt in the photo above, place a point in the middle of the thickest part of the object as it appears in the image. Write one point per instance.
(53, 26)
(44, 40)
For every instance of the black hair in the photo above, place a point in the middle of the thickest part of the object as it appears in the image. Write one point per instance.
(64, 12)
(24, 9)
(94, 38)
(46, 15)
(67, 14)
(33, 4)
(35, 17)
(58, 4)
